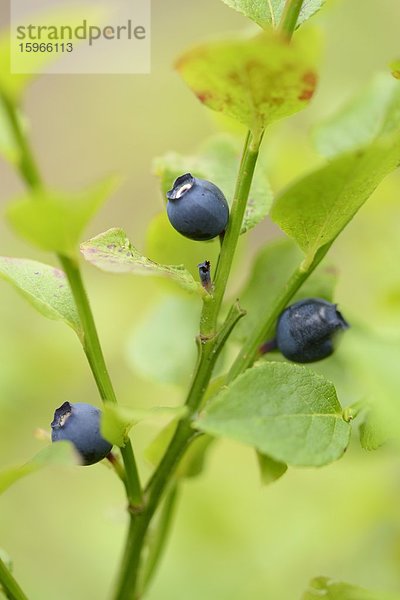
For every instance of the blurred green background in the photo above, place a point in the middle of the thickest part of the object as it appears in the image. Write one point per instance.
(232, 539)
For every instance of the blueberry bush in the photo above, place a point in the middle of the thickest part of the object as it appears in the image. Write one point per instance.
(241, 371)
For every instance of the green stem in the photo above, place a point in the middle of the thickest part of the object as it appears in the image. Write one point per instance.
(249, 351)
(26, 161)
(135, 495)
(231, 237)
(158, 543)
(89, 337)
(118, 468)
(10, 586)
(289, 17)
(210, 344)
(209, 349)
(129, 573)
(94, 353)
(209, 352)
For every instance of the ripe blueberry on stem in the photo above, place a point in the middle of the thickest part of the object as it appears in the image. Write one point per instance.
(79, 423)
(197, 208)
(306, 330)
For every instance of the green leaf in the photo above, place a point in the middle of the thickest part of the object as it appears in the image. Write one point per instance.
(156, 351)
(45, 287)
(111, 251)
(270, 469)
(256, 81)
(284, 410)
(373, 432)
(117, 421)
(374, 112)
(269, 12)
(218, 161)
(314, 210)
(54, 221)
(272, 268)
(58, 454)
(323, 587)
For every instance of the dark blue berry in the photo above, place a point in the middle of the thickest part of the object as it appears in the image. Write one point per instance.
(306, 330)
(79, 423)
(197, 208)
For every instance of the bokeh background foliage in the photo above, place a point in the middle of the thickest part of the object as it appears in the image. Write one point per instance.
(233, 538)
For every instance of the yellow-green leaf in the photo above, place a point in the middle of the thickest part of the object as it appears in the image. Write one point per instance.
(314, 210)
(44, 286)
(255, 80)
(54, 221)
(372, 113)
(112, 251)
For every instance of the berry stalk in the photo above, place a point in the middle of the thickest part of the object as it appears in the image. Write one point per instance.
(94, 354)
(289, 18)
(130, 572)
(251, 349)
(212, 309)
(209, 349)
(32, 177)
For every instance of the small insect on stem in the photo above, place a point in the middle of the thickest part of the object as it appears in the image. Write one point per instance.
(205, 275)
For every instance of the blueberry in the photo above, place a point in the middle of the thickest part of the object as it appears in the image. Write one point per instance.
(306, 330)
(79, 423)
(197, 208)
